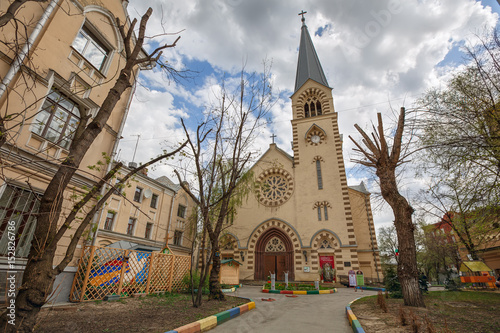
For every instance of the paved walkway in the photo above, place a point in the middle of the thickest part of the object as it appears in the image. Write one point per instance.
(305, 313)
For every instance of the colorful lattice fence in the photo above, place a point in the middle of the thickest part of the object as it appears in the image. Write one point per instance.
(107, 271)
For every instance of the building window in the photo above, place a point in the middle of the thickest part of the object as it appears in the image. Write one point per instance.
(118, 187)
(181, 224)
(318, 174)
(58, 119)
(319, 213)
(18, 208)
(149, 228)
(326, 212)
(110, 218)
(347, 264)
(312, 108)
(130, 226)
(178, 237)
(181, 211)
(91, 48)
(138, 194)
(154, 201)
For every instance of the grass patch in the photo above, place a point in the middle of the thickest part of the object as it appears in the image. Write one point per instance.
(460, 311)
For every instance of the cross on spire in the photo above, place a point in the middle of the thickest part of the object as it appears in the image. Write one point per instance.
(303, 18)
(273, 136)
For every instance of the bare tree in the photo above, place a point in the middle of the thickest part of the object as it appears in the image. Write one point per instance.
(387, 240)
(10, 13)
(377, 154)
(220, 152)
(39, 273)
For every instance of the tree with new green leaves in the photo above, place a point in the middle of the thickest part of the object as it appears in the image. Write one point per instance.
(460, 129)
(220, 153)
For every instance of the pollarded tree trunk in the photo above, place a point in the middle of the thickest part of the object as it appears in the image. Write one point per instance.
(377, 155)
(407, 262)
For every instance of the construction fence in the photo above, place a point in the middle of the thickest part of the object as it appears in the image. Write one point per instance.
(108, 271)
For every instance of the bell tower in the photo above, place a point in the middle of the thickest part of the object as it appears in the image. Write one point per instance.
(321, 183)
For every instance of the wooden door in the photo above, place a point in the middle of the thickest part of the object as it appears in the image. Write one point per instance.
(280, 268)
(269, 265)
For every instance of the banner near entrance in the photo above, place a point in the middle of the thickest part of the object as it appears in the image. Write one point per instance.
(327, 264)
(352, 278)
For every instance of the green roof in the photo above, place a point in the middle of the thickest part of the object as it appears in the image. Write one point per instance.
(225, 261)
(474, 266)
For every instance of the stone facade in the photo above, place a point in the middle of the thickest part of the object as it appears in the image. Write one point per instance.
(304, 216)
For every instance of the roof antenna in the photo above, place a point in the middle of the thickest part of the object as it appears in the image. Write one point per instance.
(133, 164)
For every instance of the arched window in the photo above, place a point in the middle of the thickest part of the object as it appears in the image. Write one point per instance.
(312, 108)
(318, 174)
(318, 108)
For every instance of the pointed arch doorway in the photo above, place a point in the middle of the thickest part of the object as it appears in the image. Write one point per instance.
(274, 253)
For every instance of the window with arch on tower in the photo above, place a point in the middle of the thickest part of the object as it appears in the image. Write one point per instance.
(322, 209)
(312, 108)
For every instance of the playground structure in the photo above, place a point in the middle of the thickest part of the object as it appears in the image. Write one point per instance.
(104, 271)
(477, 273)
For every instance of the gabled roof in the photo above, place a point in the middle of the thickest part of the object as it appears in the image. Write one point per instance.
(227, 261)
(308, 65)
(360, 188)
(273, 145)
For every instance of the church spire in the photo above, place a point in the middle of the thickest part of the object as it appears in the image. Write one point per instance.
(308, 66)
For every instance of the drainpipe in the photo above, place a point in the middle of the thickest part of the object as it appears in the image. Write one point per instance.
(98, 215)
(170, 218)
(21, 56)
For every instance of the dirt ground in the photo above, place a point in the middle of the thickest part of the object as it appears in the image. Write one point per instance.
(148, 314)
(446, 311)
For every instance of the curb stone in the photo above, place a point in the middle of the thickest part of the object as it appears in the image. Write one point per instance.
(370, 288)
(210, 322)
(353, 321)
(300, 292)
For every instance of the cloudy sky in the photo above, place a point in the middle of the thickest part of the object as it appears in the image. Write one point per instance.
(375, 54)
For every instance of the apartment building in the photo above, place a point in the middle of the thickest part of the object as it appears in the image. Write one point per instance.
(58, 60)
(141, 215)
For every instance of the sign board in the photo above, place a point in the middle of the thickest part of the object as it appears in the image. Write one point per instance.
(352, 278)
(306, 269)
(360, 278)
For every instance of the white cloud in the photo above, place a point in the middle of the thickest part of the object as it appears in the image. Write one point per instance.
(375, 54)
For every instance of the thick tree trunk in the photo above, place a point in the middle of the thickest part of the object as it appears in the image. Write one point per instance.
(214, 285)
(407, 263)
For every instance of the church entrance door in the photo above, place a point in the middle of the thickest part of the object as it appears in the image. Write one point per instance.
(275, 264)
(274, 254)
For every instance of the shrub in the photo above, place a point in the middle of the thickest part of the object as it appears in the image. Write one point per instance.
(391, 282)
(402, 316)
(381, 302)
(415, 325)
(186, 281)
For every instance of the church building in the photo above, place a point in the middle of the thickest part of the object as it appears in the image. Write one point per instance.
(304, 218)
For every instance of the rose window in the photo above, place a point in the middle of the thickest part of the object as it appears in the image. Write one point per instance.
(275, 245)
(276, 187)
